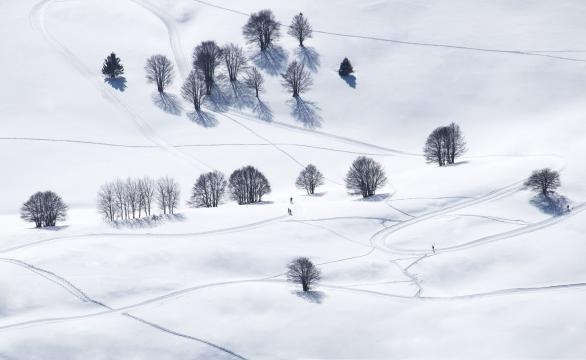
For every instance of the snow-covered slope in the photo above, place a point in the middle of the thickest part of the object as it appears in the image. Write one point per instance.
(507, 280)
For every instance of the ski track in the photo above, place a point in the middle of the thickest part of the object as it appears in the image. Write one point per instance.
(37, 21)
(537, 53)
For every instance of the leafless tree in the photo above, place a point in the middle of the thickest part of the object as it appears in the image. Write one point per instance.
(309, 178)
(167, 193)
(206, 58)
(147, 194)
(302, 271)
(208, 190)
(234, 59)
(300, 29)
(159, 70)
(194, 89)
(122, 200)
(107, 203)
(262, 29)
(248, 185)
(44, 209)
(254, 80)
(365, 177)
(545, 181)
(296, 79)
(444, 145)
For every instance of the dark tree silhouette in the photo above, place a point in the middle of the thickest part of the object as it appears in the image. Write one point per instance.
(254, 80)
(545, 181)
(302, 271)
(262, 29)
(444, 145)
(296, 79)
(123, 200)
(248, 185)
(234, 59)
(365, 177)
(208, 190)
(44, 209)
(309, 178)
(345, 68)
(167, 193)
(112, 66)
(206, 58)
(159, 70)
(300, 29)
(194, 89)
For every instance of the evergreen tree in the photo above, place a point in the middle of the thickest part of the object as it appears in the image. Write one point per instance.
(345, 68)
(112, 66)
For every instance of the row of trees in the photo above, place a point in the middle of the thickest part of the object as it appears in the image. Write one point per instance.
(135, 197)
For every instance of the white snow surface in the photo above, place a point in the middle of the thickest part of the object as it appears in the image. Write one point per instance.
(507, 279)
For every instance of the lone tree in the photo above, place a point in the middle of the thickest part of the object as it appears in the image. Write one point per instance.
(444, 145)
(208, 190)
(167, 193)
(309, 178)
(302, 271)
(545, 181)
(234, 59)
(248, 185)
(296, 79)
(365, 177)
(44, 209)
(206, 57)
(159, 70)
(194, 89)
(262, 29)
(112, 66)
(345, 68)
(254, 80)
(300, 29)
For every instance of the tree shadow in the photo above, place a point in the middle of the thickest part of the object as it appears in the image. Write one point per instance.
(306, 112)
(375, 198)
(309, 57)
(147, 221)
(203, 118)
(350, 80)
(243, 96)
(169, 103)
(262, 111)
(552, 204)
(118, 83)
(220, 99)
(51, 228)
(272, 60)
(316, 297)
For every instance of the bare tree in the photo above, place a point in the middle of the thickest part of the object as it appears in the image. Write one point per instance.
(365, 177)
(300, 29)
(248, 185)
(121, 199)
(208, 190)
(444, 145)
(107, 203)
(254, 80)
(302, 271)
(159, 70)
(206, 58)
(545, 181)
(167, 193)
(296, 79)
(234, 59)
(193, 89)
(309, 178)
(147, 194)
(44, 209)
(262, 29)
(132, 196)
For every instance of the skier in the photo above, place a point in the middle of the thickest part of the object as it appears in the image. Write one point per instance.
(289, 211)
(291, 200)
(568, 207)
(433, 248)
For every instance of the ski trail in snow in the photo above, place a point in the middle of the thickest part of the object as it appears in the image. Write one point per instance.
(37, 21)
(415, 43)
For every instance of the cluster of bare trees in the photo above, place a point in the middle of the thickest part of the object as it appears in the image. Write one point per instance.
(444, 145)
(248, 185)
(365, 176)
(44, 209)
(208, 190)
(134, 197)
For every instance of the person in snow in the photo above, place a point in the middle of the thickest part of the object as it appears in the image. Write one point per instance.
(568, 206)
(291, 200)
(433, 248)
(289, 211)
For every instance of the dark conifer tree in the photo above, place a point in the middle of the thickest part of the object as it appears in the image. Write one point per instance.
(345, 68)
(112, 66)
